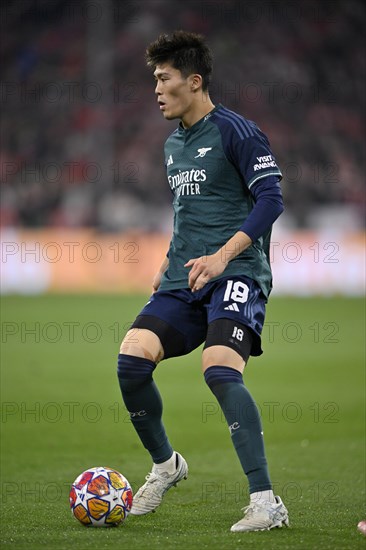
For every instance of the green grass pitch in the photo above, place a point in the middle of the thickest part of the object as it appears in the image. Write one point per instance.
(62, 413)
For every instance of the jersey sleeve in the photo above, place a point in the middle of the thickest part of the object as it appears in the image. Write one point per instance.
(251, 153)
(267, 208)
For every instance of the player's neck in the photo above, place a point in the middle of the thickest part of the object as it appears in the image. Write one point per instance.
(198, 110)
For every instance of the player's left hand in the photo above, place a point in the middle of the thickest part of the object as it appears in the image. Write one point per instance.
(204, 269)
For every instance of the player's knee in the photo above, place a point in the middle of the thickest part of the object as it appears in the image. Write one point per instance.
(133, 372)
(132, 345)
(222, 355)
(142, 343)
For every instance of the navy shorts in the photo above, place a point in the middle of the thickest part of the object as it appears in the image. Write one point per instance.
(190, 313)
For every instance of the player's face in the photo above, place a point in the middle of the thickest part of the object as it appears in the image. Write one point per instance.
(174, 92)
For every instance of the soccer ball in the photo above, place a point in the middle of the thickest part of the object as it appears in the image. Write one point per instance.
(101, 497)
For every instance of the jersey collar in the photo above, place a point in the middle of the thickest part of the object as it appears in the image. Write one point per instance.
(197, 125)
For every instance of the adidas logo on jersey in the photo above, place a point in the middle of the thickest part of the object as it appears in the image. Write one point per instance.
(170, 160)
(232, 307)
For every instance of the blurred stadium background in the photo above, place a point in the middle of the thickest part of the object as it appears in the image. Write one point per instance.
(84, 201)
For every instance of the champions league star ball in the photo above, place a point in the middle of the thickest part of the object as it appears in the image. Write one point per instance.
(101, 497)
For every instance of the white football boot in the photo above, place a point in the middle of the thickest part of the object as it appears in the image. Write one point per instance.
(261, 516)
(150, 495)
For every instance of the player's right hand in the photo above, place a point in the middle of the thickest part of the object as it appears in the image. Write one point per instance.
(156, 281)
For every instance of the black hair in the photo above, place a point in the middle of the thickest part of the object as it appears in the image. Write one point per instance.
(185, 51)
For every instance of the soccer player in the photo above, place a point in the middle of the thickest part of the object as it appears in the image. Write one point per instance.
(214, 283)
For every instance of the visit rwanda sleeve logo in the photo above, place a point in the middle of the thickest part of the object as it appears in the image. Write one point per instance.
(265, 162)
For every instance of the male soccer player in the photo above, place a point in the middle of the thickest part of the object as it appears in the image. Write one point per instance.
(214, 283)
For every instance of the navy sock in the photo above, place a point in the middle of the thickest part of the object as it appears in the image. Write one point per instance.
(143, 402)
(242, 416)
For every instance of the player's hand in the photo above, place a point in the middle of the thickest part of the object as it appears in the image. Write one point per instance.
(156, 281)
(204, 269)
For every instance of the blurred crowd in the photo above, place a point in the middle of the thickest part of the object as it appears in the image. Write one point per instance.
(82, 137)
